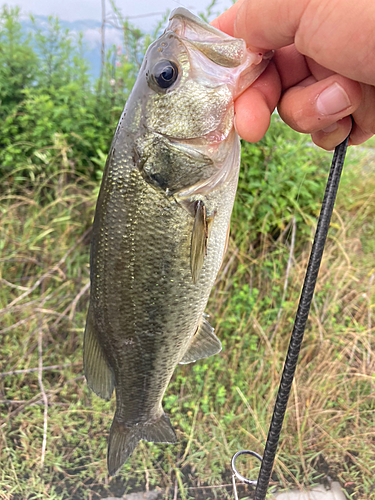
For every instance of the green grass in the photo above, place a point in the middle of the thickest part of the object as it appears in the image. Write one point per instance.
(219, 405)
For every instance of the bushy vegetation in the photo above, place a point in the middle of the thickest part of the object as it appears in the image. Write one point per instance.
(55, 130)
(51, 112)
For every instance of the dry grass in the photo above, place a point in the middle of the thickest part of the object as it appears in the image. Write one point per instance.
(53, 430)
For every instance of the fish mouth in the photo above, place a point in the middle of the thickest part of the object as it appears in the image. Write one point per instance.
(220, 48)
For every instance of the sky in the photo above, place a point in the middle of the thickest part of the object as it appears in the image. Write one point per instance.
(72, 10)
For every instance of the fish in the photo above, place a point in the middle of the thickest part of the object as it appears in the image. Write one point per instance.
(161, 225)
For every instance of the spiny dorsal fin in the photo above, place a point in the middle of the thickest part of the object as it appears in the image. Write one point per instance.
(204, 344)
(98, 374)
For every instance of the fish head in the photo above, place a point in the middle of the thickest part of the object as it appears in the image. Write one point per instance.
(190, 77)
(181, 109)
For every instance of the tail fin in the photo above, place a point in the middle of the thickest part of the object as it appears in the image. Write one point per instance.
(123, 440)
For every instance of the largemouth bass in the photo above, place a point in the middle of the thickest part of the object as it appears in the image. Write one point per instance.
(161, 224)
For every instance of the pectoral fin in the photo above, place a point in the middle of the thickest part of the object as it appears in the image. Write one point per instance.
(199, 236)
(199, 239)
(99, 375)
(204, 344)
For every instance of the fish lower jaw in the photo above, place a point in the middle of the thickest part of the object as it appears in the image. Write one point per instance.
(210, 141)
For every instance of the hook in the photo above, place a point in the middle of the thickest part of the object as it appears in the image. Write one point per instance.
(239, 476)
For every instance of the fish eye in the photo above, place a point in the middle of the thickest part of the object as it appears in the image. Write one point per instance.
(165, 73)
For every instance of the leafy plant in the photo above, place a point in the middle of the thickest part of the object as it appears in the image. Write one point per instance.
(18, 61)
(52, 111)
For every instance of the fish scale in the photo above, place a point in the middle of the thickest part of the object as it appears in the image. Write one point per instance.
(161, 226)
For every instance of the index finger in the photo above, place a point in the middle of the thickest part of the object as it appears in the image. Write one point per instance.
(291, 65)
(268, 25)
(242, 22)
(225, 22)
(255, 22)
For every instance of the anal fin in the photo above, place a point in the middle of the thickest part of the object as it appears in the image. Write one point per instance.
(98, 374)
(204, 344)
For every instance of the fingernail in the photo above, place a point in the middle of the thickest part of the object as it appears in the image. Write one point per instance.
(332, 100)
(330, 129)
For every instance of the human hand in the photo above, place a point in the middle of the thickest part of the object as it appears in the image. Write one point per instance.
(323, 70)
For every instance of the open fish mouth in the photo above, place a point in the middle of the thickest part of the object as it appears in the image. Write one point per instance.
(223, 50)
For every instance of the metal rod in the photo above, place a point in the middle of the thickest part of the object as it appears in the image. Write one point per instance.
(300, 321)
